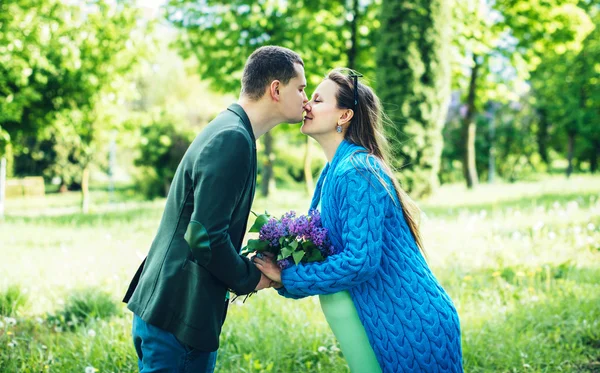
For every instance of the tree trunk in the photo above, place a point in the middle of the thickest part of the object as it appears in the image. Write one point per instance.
(353, 36)
(267, 171)
(85, 190)
(571, 152)
(2, 186)
(469, 128)
(594, 156)
(492, 155)
(308, 178)
(542, 137)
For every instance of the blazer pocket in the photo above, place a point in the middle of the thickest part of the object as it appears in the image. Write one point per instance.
(197, 237)
(201, 297)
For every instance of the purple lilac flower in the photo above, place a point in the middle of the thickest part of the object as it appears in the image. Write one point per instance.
(287, 220)
(299, 227)
(284, 263)
(315, 218)
(331, 250)
(318, 236)
(272, 231)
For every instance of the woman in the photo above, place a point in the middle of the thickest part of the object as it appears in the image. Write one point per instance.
(380, 298)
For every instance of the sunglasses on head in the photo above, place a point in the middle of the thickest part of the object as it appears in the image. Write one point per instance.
(354, 75)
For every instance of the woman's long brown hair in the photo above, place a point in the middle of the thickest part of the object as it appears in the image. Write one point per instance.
(366, 129)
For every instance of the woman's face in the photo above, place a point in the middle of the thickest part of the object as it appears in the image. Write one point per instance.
(322, 113)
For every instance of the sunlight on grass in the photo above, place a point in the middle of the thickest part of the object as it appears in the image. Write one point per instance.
(521, 262)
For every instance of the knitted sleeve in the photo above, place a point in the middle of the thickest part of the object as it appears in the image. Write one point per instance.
(285, 293)
(360, 199)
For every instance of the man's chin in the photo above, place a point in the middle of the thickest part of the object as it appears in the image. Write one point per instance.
(295, 120)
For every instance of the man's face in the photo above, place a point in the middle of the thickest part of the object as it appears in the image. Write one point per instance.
(292, 97)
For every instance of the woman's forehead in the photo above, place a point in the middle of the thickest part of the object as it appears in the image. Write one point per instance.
(326, 88)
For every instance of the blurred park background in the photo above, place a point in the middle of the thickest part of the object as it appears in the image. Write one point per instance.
(494, 113)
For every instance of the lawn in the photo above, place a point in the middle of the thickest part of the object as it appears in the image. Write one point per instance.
(521, 262)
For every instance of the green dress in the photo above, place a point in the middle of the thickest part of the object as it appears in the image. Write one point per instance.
(343, 320)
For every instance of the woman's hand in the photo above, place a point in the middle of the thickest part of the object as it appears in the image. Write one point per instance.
(267, 265)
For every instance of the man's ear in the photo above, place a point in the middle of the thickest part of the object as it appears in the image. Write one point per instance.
(274, 90)
(346, 117)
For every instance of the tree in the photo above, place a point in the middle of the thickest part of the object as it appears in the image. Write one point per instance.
(413, 77)
(162, 146)
(69, 83)
(550, 38)
(484, 72)
(25, 67)
(221, 37)
(498, 46)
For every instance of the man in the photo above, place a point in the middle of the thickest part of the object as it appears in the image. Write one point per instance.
(179, 294)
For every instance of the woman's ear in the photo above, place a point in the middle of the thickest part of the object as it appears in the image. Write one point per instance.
(346, 117)
(274, 90)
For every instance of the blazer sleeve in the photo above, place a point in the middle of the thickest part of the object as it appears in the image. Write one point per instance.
(220, 173)
(361, 200)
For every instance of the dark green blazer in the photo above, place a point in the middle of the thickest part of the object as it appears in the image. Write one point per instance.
(194, 259)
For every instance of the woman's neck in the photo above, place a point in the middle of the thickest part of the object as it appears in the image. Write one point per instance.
(330, 146)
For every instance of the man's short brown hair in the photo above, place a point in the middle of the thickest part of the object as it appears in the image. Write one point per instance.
(266, 64)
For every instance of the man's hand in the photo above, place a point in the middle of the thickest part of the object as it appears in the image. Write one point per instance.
(277, 285)
(264, 283)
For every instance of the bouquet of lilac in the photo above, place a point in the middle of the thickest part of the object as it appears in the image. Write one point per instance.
(293, 239)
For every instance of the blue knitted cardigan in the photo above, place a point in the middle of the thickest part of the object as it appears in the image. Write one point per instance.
(411, 322)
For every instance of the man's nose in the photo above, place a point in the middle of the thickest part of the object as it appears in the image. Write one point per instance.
(307, 106)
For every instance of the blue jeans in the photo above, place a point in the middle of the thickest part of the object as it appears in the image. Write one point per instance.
(159, 351)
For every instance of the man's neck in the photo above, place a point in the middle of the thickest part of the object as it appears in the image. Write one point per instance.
(262, 118)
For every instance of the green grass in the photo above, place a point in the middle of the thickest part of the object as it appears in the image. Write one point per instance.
(521, 262)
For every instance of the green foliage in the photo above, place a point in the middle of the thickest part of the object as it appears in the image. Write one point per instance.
(477, 36)
(222, 36)
(12, 300)
(529, 54)
(568, 97)
(84, 305)
(163, 142)
(4, 142)
(557, 44)
(509, 131)
(326, 34)
(414, 85)
(544, 27)
(261, 220)
(289, 147)
(25, 65)
(63, 78)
